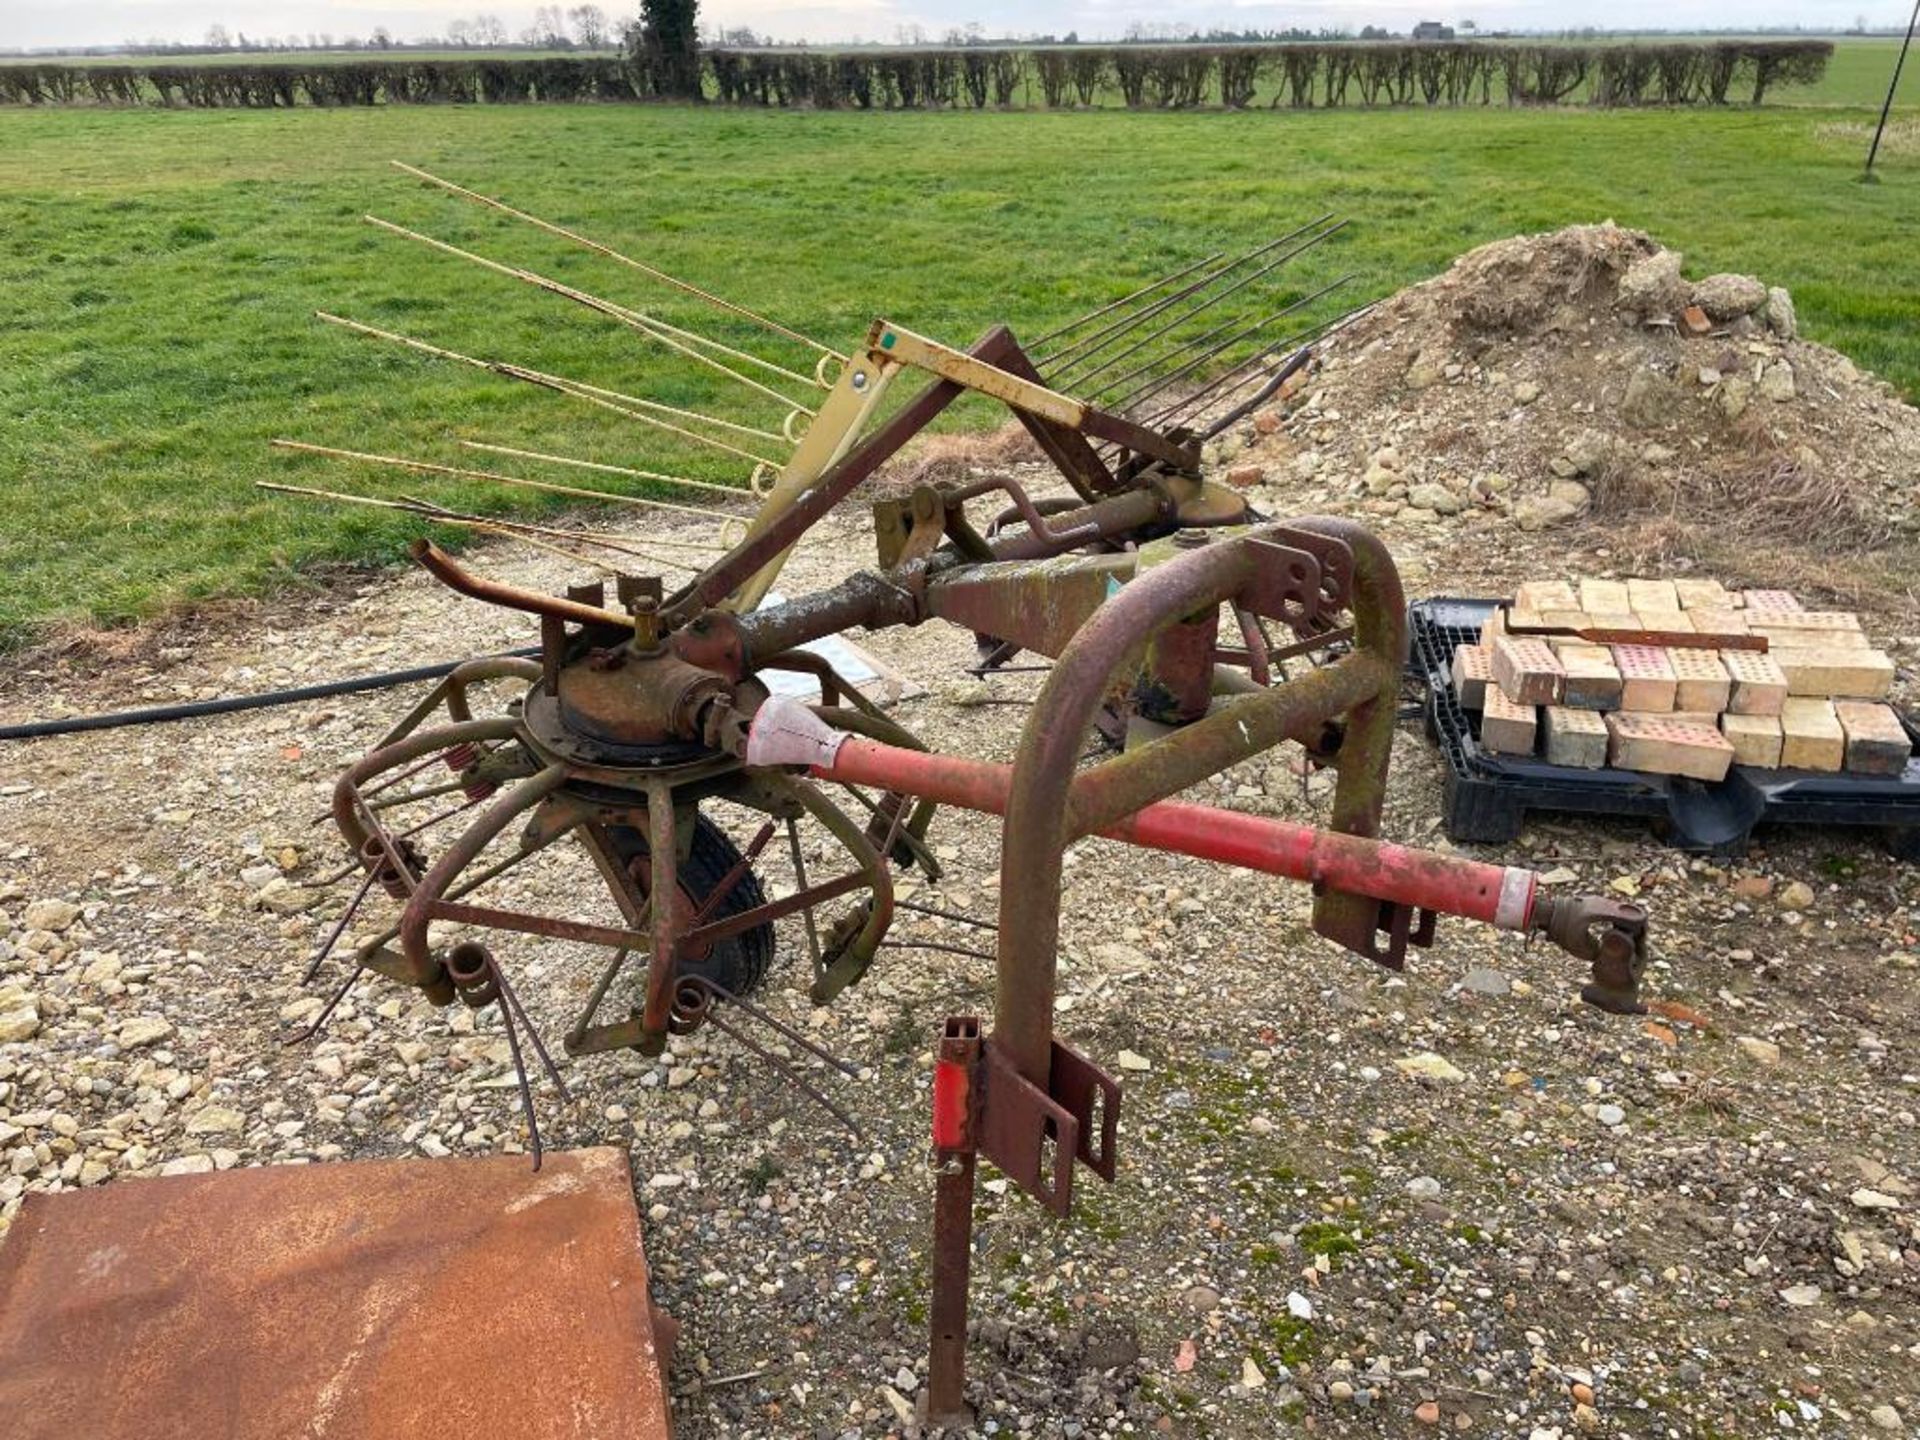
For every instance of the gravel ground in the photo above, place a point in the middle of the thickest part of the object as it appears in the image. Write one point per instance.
(1348, 1201)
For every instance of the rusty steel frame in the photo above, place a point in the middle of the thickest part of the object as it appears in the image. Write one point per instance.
(642, 710)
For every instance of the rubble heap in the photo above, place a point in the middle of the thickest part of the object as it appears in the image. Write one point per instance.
(1547, 378)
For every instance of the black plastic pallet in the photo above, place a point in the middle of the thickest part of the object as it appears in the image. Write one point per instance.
(1488, 797)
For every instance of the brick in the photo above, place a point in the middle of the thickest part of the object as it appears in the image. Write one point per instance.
(1780, 637)
(1759, 684)
(1718, 620)
(1546, 595)
(1810, 735)
(1613, 622)
(1877, 743)
(1572, 647)
(1656, 595)
(1755, 739)
(1676, 622)
(1696, 321)
(1647, 680)
(1819, 620)
(1702, 595)
(1701, 682)
(1605, 597)
(1527, 670)
(1663, 745)
(1592, 680)
(1773, 600)
(1495, 627)
(1507, 728)
(1520, 618)
(1564, 619)
(1472, 669)
(1575, 737)
(1835, 670)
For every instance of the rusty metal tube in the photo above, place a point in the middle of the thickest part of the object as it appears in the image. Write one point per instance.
(1297, 710)
(1379, 611)
(453, 690)
(1043, 778)
(346, 791)
(1501, 895)
(873, 866)
(443, 568)
(464, 851)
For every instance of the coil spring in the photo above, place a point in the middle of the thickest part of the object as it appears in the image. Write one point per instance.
(460, 759)
(386, 874)
(470, 967)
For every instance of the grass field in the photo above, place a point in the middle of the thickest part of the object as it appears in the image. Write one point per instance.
(158, 271)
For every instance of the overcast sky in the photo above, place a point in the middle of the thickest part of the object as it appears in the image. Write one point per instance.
(41, 23)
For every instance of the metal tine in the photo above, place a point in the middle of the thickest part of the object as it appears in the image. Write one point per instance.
(800, 878)
(339, 927)
(773, 1022)
(793, 1076)
(1180, 410)
(435, 512)
(732, 492)
(1181, 348)
(1153, 387)
(941, 946)
(511, 529)
(628, 406)
(320, 1020)
(1113, 305)
(430, 467)
(1199, 307)
(715, 300)
(1233, 380)
(519, 1068)
(1128, 322)
(672, 336)
(1240, 373)
(511, 998)
(944, 914)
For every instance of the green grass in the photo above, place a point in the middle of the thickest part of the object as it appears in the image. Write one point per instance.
(1858, 74)
(158, 270)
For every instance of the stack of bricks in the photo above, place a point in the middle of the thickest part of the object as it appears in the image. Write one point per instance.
(1813, 700)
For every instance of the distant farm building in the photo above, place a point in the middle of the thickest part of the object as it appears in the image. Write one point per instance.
(1432, 30)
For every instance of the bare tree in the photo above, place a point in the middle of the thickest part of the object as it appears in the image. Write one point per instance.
(489, 30)
(218, 39)
(590, 26)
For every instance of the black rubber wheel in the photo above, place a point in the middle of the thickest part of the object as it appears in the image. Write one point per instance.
(740, 962)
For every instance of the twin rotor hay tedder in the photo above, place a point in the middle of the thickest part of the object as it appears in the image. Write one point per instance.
(1168, 611)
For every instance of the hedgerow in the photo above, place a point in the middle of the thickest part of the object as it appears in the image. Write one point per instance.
(1143, 77)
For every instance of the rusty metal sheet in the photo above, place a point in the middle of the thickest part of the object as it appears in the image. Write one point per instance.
(384, 1298)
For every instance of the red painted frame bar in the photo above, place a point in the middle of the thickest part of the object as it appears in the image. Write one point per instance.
(1501, 895)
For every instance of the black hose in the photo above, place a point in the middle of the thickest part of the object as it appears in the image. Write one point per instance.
(161, 714)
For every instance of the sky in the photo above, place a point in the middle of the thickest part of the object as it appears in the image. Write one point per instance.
(34, 24)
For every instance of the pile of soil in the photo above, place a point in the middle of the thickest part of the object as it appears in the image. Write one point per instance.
(1579, 378)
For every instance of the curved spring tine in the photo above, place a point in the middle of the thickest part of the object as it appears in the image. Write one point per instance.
(790, 1074)
(320, 1020)
(340, 926)
(512, 999)
(519, 1069)
(772, 1022)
